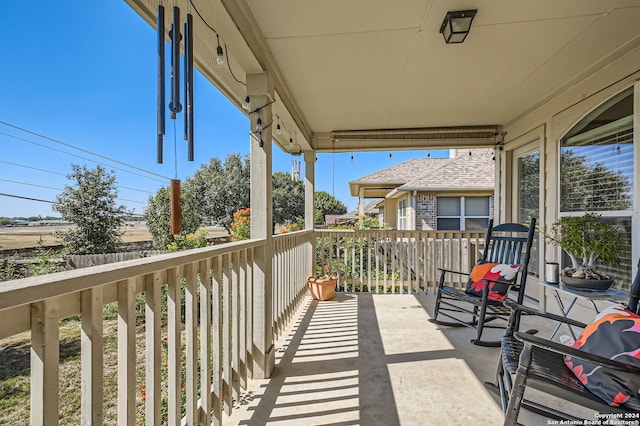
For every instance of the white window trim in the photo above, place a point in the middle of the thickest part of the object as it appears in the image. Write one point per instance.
(462, 217)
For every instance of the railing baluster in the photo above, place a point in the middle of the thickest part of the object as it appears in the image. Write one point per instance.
(45, 354)
(205, 341)
(153, 315)
(126, 352)
(249, 313)
(235, 324)
(216, 317)
(190, 307)
(174, 346)
(242, 320)
(226, 332)
(91, 343)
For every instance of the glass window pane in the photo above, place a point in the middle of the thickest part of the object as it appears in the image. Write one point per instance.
(449, 224)
(529, 200)
(596, 159)
(476, 206)
(448, 206)
(476, 224)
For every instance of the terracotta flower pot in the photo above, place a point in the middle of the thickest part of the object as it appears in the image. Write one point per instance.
(322, 289)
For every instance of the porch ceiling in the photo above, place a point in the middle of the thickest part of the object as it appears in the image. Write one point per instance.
(380, 64)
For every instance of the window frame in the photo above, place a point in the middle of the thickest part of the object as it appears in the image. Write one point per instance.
(463, 216)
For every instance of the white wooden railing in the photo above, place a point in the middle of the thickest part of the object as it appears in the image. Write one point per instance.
(202, 311)
(203, 314)
(395, 261)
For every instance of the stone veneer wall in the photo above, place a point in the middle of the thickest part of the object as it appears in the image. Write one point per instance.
(426, 211)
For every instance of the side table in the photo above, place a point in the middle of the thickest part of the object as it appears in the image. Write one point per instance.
(611, 295)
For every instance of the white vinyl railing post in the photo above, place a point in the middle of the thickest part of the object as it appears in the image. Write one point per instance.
(205, 341)
(91, 344)
(153, 361)
(126, 352)
(45, 355)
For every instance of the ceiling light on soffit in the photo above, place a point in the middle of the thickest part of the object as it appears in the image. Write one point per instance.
(456, 25)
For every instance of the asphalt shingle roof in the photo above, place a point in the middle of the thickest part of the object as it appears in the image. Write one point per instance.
(463, 171)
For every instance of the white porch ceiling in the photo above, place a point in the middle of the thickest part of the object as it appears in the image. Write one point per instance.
(382, 64)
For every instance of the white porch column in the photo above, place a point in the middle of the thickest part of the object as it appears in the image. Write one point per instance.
(360, 202)
(260, 90)
(309, 204)
(309, 188)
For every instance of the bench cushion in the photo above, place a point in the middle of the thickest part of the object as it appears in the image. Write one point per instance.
(613, 334)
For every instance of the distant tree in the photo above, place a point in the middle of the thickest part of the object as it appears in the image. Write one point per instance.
(4, 221)
(326, 204)
(90, 202)
(222, 188)
(288, 199)
(157, 216)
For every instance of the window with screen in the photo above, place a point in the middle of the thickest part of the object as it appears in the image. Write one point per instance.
(596, 171)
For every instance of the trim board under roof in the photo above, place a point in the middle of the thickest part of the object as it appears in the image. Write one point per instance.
(416, 138)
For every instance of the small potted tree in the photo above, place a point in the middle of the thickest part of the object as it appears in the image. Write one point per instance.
(323, 284)
(586, 239)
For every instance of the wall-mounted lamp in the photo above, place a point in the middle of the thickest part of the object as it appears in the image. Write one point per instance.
(456, 25)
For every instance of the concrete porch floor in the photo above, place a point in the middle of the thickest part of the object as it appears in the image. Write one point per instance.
(375, 360)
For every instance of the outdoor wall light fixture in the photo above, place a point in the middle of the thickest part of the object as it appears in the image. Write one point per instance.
(245, 104)
(456, 25)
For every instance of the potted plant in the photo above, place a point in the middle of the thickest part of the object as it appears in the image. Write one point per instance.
(323, 284)
(586, 239)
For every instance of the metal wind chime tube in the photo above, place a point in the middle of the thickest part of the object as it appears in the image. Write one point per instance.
(174, 105)
(161, 88)
(188, 85)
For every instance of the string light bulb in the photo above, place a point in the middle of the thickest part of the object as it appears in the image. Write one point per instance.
(219, 52)
(352, 157)
(259, 124)
(390, 156)
(278, 129)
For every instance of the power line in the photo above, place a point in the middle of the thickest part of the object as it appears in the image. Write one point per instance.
(81, 157)
(32, 168)
(2, 194)
(30, 184)
(62, 174)
(60, 189)
(68, 145)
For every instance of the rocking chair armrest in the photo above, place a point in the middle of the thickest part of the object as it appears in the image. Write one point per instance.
(527, 310)
(444, 271)
(559, 348)
(507, 283)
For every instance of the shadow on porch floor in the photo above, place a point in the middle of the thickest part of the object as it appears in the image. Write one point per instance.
(375, 360)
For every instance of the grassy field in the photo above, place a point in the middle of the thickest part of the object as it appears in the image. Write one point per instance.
(29, 236)
(15, 375)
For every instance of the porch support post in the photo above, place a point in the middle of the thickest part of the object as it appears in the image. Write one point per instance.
(260, 91)
(309, 205)
(45, 356)
(309, 188)
(360, 203)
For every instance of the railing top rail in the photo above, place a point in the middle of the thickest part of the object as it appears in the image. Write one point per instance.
(397, 231)
(28, 290)
(292, 234)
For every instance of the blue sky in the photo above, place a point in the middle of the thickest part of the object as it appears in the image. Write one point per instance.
(90, 82)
